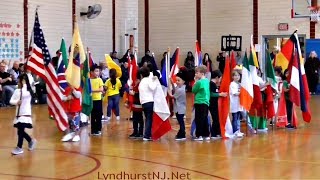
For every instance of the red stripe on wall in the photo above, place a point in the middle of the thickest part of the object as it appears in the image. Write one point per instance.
(25, 28)
(255, 22)
(146, 24)
(198, 14)
(313, 24)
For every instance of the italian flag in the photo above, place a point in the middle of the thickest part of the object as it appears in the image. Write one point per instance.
(271, 78)
(253, 65)
(246, 91)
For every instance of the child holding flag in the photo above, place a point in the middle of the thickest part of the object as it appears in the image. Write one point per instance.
(73, 108)
(235, 107)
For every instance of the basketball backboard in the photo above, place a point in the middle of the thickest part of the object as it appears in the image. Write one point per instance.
(300, 8)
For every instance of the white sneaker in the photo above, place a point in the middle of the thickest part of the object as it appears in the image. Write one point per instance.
(67, 137)
(76, 138)
(198, 138)
(108, 118)
(118, 118)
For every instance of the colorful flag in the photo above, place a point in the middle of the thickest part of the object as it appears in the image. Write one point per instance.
(133, 70)
(198, 55)
(63, 84)
(224, 102)
(40, 64)
(161, 113)
(254, 65)
(271, 78)
(87, 103)
(112, 65)
(175, 68)
(233, 60)
(246, 90)
(76, 58)
(165, 72)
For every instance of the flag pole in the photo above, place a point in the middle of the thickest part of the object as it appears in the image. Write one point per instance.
(31, 38)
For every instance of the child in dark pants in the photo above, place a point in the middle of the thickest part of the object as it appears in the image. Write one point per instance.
(289, 104)
(213, 108)
(147, 88)
(179, 107)
(96, 113)
(136, 108)
(201, 89)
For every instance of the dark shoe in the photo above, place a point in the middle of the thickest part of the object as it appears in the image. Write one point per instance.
(133, 136)
(180, 137)
(138, 136)
(289, 126)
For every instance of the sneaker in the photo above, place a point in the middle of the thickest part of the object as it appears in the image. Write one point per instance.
(32, 144)
(198, 138)
(180, 138)
(108, 118)
(132, 136)
(118, 118)
(76, 138)
(17, 151)
(289, 126)
(206, 138)
(147, 139)
(139, 136)
(67, 137)
(215, 137)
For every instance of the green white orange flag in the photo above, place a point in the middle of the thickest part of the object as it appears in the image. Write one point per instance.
(246, 90)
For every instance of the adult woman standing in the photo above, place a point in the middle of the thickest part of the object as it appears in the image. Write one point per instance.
(312, 66)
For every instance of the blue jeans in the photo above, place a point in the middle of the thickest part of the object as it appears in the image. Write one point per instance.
(113, 103)
(7, 93)
(182, 130)
(148, 113)
(236, 121)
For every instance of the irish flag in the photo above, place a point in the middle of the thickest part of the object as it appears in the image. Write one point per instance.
(161, 113)
(224, 103)
(246, 90)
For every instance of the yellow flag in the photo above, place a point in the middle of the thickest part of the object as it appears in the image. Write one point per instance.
(76, 58)
(112, 65)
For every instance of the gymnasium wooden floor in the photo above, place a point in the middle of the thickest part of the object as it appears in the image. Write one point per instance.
(278, 154)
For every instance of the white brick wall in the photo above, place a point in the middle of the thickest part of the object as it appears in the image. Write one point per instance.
(219, 18)
(172, 24)
(11, 13)
(55, 19)
(96, 33)
(126, 20)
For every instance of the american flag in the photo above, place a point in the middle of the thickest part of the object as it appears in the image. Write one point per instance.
(39, 63)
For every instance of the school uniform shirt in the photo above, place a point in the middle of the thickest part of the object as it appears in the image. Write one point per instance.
(96, 84)
(24, 114)
(147, 87)
(234, 99)
(180, 101)
(113, 89)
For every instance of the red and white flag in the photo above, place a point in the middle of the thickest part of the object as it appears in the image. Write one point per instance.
(161, 114)
(39, 63)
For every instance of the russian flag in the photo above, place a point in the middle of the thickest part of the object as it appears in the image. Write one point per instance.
(198, 55)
